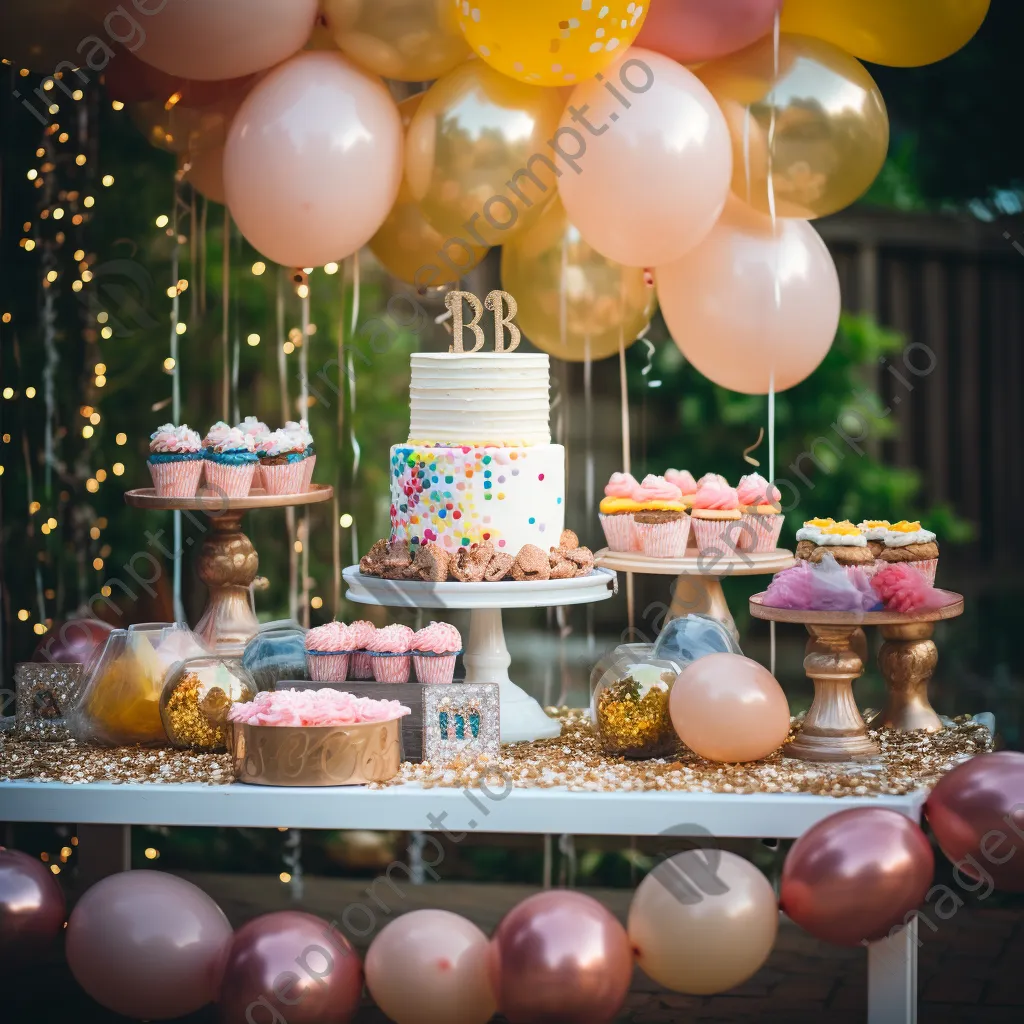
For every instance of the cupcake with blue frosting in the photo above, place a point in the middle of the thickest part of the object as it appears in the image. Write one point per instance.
(282, 456)
(230, 460)
(175, 461)
(301, 436)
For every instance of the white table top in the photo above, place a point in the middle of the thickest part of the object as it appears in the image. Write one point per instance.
(409, 807)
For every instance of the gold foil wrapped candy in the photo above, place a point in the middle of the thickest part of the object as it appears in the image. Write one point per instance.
(197, 697)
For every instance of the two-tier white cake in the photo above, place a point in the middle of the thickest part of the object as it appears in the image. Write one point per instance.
(479, 464)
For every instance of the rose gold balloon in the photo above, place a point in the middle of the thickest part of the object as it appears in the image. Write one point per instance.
(728, 708)
(977, 815)
(690, 31)
(148, 945)
(290, 966)
(313, 160)
(430, 967)
(560, 958)
(204, 171)
(703, 922)
(754, 304)
(856, 875)
(648, 178)
(31, 909)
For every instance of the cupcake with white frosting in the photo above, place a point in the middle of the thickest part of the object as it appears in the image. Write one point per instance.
(909, 542)
(299, 432)
(175, 461)
(282, 462)
(230, 461)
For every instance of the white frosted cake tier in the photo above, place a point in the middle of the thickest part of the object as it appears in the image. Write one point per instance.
(462, 495)
(481, 398)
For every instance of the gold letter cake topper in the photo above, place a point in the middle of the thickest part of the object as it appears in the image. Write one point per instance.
(496, 301)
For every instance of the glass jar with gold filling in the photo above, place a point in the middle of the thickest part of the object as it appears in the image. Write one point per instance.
(196, 699)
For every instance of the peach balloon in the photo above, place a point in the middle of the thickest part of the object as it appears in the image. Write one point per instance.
(204, 171)
(431, 967)
(728, 708)
(703, 922)
(754, 304)
(313, 160)
(649, 160)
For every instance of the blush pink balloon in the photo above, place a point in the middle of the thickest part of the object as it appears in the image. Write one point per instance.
(211, 39)
(560, 958)
(691, 31)
(313, 160)
(204, 171)
(855, 876)
(729, 708)
(977, 815)
(32, 909)
(430, 967)
(651, 160)
(148, 945)
(755, 303)
(290, 966)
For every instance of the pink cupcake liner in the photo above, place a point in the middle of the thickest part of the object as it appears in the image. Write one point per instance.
(257, 479)
(434, 668)
(663, 540)
(869, 570)
(307, 464)
(327, 668)
(761, 531)
(287, 478)
(360, 666)
(927, 568)
(619, 532)
(178, 479)
(231, 481)
(390, 668)
(717, 536)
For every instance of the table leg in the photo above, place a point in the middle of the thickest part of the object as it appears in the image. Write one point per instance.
(228, 564)
(701, 595)
(892, 978)
(833, 729)
(907, 660)
(102, 850)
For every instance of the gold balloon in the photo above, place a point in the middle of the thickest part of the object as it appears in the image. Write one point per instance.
(477, 157)
(178, 126)
(409, 247)
(900, 33)
(553, 274)
(411, 40)
(819, 123)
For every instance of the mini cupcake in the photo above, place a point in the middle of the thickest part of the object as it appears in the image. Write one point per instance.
(662, 532)
(257, 430)
(846, 543)
(875, 530)
(359, 666)
(683, 479)
(230, 461)
(434, 650)
(761, 505)
(808, 534)
(655, 493)
(616, 512)
(389, 653)
(715, 517)
(282, 463)
(709, 477)
(304, 440)
(327, 652)
(175, 461)
(909, 542)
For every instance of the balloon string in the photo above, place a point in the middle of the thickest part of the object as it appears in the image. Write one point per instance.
(289, 513)
(303, 416)
(352, 392)
(225, 392)
(339, 479)
(624, 408)
(178, 604)
(203, 253)
(236, 345)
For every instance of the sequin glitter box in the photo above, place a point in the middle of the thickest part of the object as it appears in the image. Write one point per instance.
(44, 695)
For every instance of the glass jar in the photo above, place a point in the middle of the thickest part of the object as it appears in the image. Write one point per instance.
(277, 655)
(690, 637)
(196, 699)
(629, 703)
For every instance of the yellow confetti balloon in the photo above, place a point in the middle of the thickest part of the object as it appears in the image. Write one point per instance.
(550, 42)
(900, 33)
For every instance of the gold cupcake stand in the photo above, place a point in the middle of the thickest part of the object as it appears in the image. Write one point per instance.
(227, 562)
(834, 729)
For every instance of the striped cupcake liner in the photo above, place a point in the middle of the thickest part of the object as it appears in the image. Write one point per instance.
(717, 536)
(286, 478)
(434, 668)
(231, 481)
(663, 540)
(760, 531)
(307, 465)
(257, 479)
(390, 668)
(327, 666)
(176, 479)
(360, 666)
(619, 532)
(927, 567)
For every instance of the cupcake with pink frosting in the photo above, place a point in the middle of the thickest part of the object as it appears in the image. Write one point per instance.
(175, 461)
(616, 512)
(328, 649)
(389, 653)
(434, 650)
(230, 460)
(359, 666)
(661, 524)
(683, 479)
(761, 506)
(282, 462)
(715, 517)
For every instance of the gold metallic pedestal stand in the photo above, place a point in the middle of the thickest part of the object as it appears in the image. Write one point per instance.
(834, 729)
(228, 563)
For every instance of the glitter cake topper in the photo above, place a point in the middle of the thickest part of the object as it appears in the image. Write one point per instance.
(496, 301)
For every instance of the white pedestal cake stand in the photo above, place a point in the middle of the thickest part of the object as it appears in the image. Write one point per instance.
(486, 656)
(698, 587)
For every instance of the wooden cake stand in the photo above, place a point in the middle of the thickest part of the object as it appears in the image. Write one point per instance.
(227, 561)
(834, 729)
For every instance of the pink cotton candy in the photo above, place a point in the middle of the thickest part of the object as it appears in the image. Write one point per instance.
(822, 587)
(903, 589)
(313, 708)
